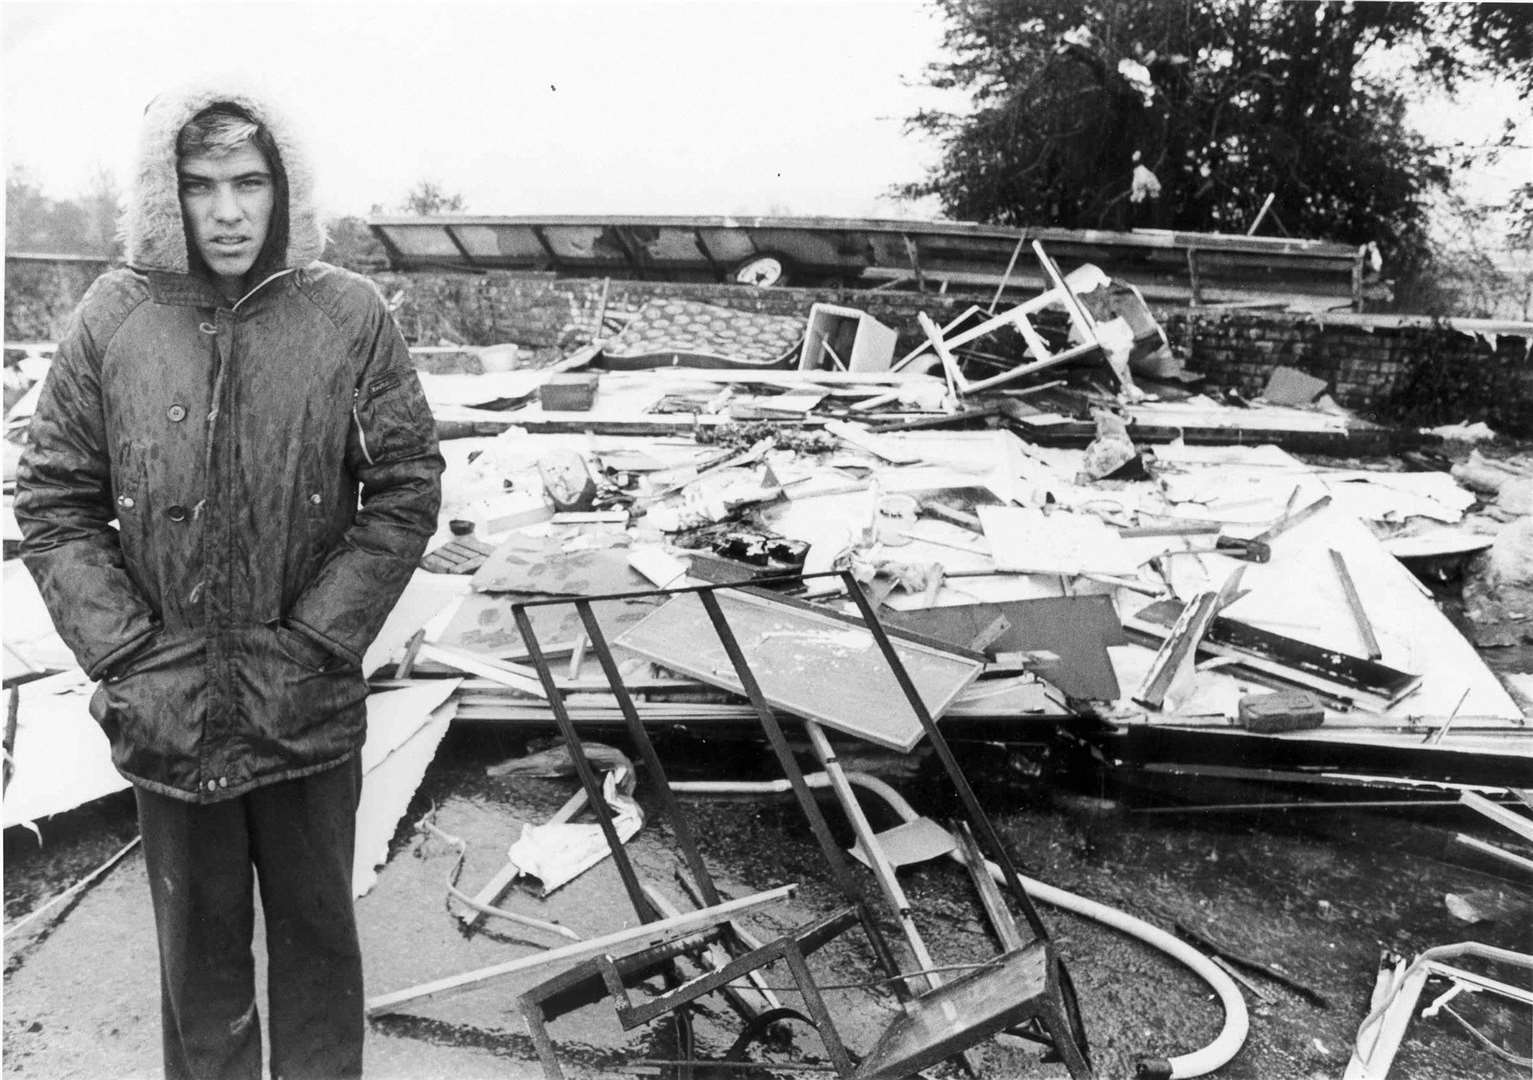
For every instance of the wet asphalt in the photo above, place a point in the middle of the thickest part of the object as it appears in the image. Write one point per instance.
(1317, 893)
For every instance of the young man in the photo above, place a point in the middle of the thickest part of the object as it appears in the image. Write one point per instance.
(251, 419)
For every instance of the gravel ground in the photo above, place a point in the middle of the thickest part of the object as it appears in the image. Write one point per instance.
(1317, 892)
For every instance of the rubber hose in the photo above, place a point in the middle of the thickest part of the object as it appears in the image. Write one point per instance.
(1237, 1021)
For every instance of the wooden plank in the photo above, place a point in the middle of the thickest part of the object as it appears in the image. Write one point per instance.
(1496, 852)
(1519, 824)
(647, 933)
(1176, 651)
(1355, 603)
(513, 676)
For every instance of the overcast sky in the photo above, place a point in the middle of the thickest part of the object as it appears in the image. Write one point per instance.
(677, 106)
(533, 107)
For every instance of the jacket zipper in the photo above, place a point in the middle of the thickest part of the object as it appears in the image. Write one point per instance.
(356, 418)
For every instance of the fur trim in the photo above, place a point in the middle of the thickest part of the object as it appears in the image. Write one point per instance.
(152, 229)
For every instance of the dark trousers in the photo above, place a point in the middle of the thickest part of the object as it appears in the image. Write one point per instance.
(295, 840)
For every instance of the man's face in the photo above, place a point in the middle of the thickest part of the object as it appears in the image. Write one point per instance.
(227, 204)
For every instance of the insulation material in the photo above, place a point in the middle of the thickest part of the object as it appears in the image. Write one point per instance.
(557, 854)
(63, 759)
(688, 332)
(404, 728)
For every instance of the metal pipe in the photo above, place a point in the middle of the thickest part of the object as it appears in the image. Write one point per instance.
(1237, 1021)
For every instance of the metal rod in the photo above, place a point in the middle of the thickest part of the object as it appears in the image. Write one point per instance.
(647, 754)
(588, 780)
(960, 782)
(878, 861)
(840, 871)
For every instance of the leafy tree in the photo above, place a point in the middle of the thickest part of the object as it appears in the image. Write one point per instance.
(37, 223)
(427, 197)
(1223, 101)
(350, 243)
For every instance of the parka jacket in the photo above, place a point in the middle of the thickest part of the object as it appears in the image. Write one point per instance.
(272, 467)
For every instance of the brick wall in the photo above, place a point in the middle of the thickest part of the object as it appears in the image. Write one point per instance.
(1400, 369)
(1403, 369)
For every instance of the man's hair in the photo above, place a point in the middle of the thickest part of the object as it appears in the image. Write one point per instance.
(220, 130)
(216, 132)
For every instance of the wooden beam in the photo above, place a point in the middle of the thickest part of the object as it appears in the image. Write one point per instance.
(1355, 604)
(1520, 825)
(1495, 851)
(498, 671)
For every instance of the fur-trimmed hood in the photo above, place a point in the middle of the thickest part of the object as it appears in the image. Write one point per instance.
(153, 232)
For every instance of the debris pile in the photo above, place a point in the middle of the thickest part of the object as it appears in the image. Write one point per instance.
(1025, 527)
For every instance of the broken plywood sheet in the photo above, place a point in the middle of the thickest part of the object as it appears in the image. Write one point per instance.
(1242, 483)
(404, 728)
(1396, 496)
(483, 623)
(425, 597)
(1204, 412)
(63, 759)
(28, 626)
(541, 566)
(1077, 629)
(810, 663)
(1297, 595)
(1290, 386)
(1029, 541)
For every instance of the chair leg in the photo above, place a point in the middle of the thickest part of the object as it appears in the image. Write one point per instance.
(824, 1023)
(532, 1012)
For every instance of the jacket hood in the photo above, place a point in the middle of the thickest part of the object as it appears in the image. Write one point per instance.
(154, 236)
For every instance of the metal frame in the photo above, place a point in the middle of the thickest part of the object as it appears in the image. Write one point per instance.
(1048, 1003)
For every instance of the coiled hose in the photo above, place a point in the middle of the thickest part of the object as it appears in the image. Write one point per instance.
(1198, 1063)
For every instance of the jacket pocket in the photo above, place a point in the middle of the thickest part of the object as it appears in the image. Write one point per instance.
(296, 714)
(392, 417)
(153, 710)
(302, 651)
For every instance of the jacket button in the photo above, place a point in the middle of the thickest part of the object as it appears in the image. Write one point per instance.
(125, 501)
(177, 413)
(176, 513)
(316, 498)
(223, 781)
(212, 785)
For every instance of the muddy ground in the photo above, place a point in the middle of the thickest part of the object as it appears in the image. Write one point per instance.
(1318, 893)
